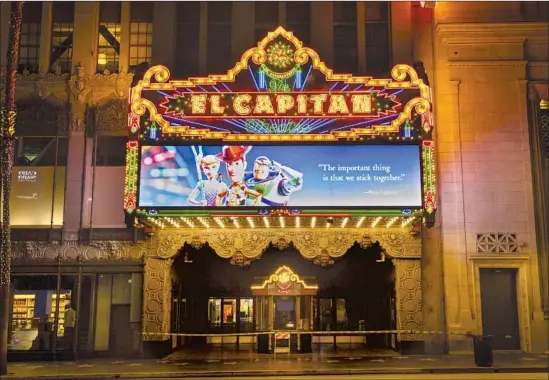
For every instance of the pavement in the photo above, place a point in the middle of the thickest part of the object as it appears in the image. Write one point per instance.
(182, 366)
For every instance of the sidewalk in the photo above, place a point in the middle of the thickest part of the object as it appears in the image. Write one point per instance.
(269, 366)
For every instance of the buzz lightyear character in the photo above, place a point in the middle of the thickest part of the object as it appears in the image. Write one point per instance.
(208, 188)
(275, 182)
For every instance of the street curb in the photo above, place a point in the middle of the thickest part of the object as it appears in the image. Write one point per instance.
(198, 374)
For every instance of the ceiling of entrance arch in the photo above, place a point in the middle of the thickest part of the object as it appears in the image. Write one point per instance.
(282, 222)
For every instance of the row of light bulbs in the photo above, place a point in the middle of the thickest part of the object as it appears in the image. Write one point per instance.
(178, 222)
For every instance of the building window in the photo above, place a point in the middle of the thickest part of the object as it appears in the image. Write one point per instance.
(266, 18)
(298, 20)
(141, 32)
(378, 40)
(62, 36)
(108, 48)
(29, 48)
(187, 38)
(219, 36)
(345, 37)
(110, 151)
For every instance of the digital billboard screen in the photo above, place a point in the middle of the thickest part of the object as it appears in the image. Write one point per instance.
(335, 176)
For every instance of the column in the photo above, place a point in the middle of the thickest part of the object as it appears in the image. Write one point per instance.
(85, 40)
(322, 30)
(157, 298)
(45, 37)
(401, 32)
(164, 33)
(408, 298)
(361, 36)
(298, 313)
(78, 179)
(242, 28)
(203, 38)
(124, 37)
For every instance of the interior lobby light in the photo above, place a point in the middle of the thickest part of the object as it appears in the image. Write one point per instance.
(297, 222)
(188, 222)
(204, 222)
(344, 222)
(281, 222)
(313, 221)
(378, 219)
(266, 221)
(360, 221)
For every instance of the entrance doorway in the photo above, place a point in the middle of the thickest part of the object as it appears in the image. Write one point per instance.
(499, 306)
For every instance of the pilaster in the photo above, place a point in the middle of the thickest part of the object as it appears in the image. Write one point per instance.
(242, 28)
(45, 36)
(85, 40)
(322, 30)
(124, 37)
(164, 31)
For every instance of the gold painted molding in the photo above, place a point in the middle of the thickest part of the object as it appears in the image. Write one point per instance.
(242, 246)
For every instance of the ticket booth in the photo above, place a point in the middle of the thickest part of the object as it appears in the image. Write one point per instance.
(284, 303)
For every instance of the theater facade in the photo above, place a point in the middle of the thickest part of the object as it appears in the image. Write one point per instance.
(280, 152)
(253, 178)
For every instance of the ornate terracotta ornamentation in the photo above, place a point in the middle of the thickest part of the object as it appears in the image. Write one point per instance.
(409, 297)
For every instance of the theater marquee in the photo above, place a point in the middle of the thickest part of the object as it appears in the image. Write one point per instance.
(280, 93)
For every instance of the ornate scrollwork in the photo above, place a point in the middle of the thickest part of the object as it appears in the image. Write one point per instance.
(310, 243)
(409, 297)
(112, 116)
(30, 252)
(323, 259)
(240, 260)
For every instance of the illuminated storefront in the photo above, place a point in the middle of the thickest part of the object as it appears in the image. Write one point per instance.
(280, 151)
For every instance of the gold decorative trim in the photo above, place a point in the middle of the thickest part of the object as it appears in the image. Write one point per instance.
(313, 244)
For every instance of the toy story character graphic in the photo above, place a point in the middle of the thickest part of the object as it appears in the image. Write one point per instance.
(273, 181)
(206, 190)
(234, 157)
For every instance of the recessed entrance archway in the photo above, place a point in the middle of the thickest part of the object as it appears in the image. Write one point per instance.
(322, 247)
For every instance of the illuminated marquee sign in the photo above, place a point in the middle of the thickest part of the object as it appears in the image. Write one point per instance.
(279, 91)
(274, 105)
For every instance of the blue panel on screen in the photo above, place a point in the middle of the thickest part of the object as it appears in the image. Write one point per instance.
(282, 175)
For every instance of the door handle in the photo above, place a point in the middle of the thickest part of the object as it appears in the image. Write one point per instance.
(508, 336)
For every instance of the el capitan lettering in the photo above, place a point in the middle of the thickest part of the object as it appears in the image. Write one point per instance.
(265, 105)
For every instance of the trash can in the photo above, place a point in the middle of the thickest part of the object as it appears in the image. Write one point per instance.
(263, 344)
(306, 343)
(482, 348)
